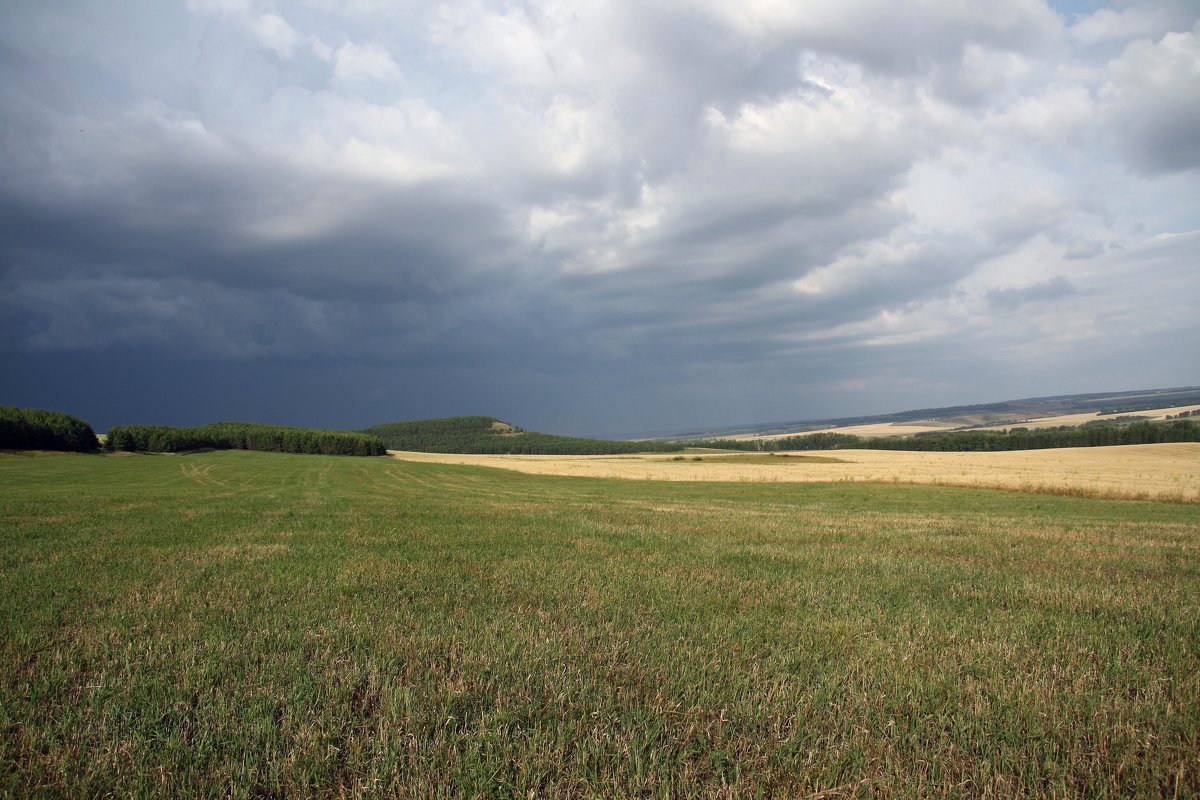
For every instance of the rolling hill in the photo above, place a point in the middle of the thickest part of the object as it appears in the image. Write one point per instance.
(1027, 412)
(479, 435)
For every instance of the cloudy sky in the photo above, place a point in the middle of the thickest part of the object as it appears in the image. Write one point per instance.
(593, 216)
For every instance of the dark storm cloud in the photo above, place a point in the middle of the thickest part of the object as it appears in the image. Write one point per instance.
(605, 218)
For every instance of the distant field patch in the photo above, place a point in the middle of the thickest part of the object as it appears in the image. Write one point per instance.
(872, 429)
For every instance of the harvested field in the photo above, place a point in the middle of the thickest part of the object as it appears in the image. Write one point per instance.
(1152, 471)
(873, 429)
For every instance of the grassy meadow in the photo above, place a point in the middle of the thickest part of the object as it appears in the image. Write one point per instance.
(269, 625)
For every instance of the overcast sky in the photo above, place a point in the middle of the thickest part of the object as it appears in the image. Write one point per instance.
(594, 216)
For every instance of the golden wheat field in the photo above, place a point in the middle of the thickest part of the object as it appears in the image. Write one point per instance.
(1152, 471)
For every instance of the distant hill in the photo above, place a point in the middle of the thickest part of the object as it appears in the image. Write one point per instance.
(976, 416)
(491, 435)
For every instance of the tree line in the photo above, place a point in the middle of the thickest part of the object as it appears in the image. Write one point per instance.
(38, 429)
(242, 436)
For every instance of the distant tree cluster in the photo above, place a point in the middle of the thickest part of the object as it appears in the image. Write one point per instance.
(242, 436)
(974, 441)
(36, 429)
(488, 435)
(811, 441)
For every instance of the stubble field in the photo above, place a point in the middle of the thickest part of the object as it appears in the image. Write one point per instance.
(264, 625)
(1133, 472)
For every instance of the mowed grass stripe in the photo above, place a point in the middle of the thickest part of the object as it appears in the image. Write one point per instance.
(302, 625)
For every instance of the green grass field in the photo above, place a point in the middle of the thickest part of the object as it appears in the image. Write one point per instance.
(264, 625)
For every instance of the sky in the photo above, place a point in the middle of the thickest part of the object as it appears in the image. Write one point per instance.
(596, 217)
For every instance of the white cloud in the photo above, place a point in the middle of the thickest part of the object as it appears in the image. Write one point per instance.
(274, 33)
(270, 30)
(1056, 116)
(406, 141)
(1146, 20)
(574, 134)
(353, 61)
(239, 7)
(877, 263)
(505, 43)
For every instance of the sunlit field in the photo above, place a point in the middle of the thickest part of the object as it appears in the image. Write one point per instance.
(1138, 472)
(266, 625)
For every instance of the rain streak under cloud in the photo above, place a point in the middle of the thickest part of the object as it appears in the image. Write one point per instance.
(593, 217)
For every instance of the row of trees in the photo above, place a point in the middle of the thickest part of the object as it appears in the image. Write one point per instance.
(37, 429)
(1180, 430)
(811, 441)
(242, 436)
(550, 444)
(488, 435)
